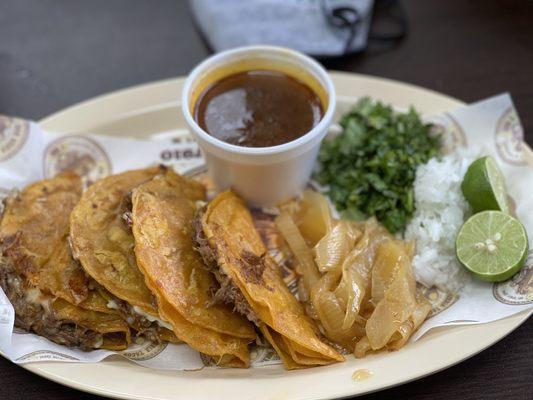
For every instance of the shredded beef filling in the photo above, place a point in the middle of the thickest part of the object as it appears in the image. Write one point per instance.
(228, 292)
(144, 327)
(43, 321)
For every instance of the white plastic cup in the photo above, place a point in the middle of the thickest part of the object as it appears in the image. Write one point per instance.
(263, 176)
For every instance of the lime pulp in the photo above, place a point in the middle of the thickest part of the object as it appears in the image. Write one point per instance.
(492, 245)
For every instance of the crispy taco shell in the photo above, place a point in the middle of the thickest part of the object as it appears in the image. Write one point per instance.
(227, 227)
(34, 232)
(103, 242)
(58, 320)
(115, 332)
(162, 213)
(49, 290)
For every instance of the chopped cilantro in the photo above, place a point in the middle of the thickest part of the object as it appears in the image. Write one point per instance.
(370, 167)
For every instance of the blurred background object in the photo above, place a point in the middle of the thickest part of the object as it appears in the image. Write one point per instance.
(319, 28)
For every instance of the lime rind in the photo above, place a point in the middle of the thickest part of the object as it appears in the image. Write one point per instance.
(497, 182)
(484, 186)
(492, 245)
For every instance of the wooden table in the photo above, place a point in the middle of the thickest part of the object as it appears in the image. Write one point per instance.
(56, 53)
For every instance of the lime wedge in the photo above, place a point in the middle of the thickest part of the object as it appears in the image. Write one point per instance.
(484, 186)
(492, 245)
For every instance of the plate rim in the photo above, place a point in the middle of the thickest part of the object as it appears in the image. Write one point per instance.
(54, 119)
(114, 395)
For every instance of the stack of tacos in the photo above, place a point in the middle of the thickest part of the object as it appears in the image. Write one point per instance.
(140, 254)
(50, 292)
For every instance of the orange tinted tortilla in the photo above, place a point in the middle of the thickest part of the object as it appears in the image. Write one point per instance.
(162, 214)
(242, 256)
(116, 333)
(34, 237)
(104, 244)
(35, 230)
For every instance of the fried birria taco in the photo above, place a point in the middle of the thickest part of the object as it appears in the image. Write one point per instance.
(50, 292)
(162, 213)
(101, 239)
(251, 281)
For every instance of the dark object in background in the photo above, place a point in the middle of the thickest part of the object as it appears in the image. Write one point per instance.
(325, 28)
(321, 28)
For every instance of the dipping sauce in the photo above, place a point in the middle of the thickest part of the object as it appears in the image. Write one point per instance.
(258, 109)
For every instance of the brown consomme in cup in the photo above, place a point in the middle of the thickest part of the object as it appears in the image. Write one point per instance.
(258, 108)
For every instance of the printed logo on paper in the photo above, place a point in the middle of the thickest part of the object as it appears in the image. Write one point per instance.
(46, 355)
(438, 299)
(144, 351)
(452, 133)
(519, 289)
(183, 153)
(259, 355)
(79, 154)
(13, 134)
(509, 138)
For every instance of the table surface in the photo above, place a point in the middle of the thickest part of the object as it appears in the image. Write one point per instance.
(54, 53)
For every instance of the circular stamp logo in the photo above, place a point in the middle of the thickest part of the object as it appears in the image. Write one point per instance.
(46, 355)
(13, 134)
(519, 289)
(144, 351)
(453, 135)
(259, 355)
(78, 154)
(509, 138)
(438, 299)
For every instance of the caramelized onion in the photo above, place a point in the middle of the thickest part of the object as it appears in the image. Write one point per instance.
(399, 310)
(296, 242)
(359, 286)
(357, 269)
(314, 220)
(332, 249)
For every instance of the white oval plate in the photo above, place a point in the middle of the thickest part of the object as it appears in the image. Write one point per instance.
(147, 109)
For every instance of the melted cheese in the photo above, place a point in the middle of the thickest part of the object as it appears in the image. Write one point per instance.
(35, 296)
(151, 318)
(112, 304)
